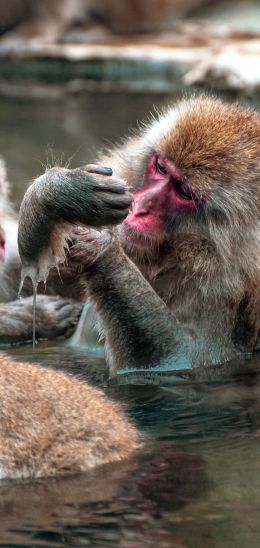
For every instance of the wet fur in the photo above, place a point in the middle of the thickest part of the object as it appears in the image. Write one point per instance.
(193, 299)
(211, 260)
(52, 424)
(54, 316)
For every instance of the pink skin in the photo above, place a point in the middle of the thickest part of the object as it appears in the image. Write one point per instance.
(2, 245)
(164, 194)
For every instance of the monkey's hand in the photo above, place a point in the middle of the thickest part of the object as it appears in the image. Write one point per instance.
(60, 199)
(96, 199)
(55, 317)
(89, 246)
(87, 195)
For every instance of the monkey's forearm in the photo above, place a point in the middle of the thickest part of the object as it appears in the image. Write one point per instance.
(140, 330)
(54, 317)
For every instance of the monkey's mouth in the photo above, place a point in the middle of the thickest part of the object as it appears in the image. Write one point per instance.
(2, 246)
(136, 237)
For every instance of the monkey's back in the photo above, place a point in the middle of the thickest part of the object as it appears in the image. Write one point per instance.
(53, 424)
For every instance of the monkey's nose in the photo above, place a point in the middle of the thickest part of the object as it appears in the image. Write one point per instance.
(142, 211)
(140, 207)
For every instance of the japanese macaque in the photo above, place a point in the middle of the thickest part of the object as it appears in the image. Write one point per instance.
(52, 424)
(176, 284)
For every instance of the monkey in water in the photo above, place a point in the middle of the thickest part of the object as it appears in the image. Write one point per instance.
(52, 424)
(176, 284)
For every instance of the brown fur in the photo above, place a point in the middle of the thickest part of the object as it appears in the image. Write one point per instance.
(210, 263)
(53, 424)
(190, 298)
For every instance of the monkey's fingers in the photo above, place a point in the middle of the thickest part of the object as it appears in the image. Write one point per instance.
(118, 186)
(109, 217)
(115, 217)
(88, 246)
(110, 208)
(95, 168)
(112, 201)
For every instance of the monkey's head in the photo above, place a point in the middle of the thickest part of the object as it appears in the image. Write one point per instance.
(199, 169)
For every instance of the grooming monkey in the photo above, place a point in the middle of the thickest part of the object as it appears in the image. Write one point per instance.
(176, 284)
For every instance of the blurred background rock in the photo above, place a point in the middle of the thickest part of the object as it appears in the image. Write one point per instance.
(153, 44)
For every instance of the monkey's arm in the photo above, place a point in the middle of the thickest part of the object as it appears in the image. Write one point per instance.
(141, 332)
(54, 317)
(246, 332)
(57, 200)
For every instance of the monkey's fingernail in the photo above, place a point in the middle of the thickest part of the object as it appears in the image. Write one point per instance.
(95, 168)
(120, 183)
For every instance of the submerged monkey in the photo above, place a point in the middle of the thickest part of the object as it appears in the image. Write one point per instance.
(176, 284)
(52, 424)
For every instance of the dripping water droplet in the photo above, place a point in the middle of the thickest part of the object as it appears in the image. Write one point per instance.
(20, 287)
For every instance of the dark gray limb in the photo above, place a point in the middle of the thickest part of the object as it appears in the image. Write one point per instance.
(71, 196)
(140, 330)
(55, 317)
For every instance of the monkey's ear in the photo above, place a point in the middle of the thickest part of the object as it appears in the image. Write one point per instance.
(246, 332)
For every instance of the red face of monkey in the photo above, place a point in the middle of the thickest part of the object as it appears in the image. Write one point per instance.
(164, 195)
(202, 172)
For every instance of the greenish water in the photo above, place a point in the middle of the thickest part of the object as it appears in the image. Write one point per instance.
(197, 484)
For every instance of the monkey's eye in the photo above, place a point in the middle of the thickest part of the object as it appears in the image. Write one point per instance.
(184, 191)
(160, 166)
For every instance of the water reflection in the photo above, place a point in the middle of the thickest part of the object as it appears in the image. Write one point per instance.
(96, 507)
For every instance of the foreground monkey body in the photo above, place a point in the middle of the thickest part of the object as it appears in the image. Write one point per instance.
(52, 424)
(178, 285)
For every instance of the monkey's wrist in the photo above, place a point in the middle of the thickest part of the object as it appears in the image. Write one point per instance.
(93, 249)
(108, 252)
